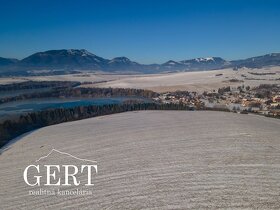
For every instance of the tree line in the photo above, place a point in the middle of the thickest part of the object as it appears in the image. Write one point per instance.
(10, 129)
(62, 92)
(37, 84)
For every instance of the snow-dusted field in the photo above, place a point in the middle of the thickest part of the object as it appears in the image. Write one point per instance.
(191, 81)
(157, 160)
(197, 81)
(90, 77)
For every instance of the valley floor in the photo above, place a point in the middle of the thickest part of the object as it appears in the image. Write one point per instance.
(198, 81)
(156, 160)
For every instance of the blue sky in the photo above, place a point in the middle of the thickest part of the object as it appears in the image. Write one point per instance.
(147, 31)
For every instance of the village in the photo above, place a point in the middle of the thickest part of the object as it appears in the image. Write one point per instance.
(263, 99)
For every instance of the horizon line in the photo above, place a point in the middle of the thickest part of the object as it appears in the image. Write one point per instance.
(135, 60)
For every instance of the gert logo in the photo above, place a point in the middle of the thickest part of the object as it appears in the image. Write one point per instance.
(80, 172)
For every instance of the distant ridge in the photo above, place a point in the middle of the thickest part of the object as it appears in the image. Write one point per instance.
(7, 61)
(81, 59)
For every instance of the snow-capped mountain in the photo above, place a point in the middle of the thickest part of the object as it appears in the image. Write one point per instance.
(123, 60)
(272, 59)
(196, 64)
(205, 63)
(123, 63)
(70, 59)
(172, 65)
(74, 59)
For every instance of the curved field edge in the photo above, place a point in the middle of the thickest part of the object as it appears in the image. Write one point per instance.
(157, 160)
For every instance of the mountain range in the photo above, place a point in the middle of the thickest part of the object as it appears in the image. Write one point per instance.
(74, 59)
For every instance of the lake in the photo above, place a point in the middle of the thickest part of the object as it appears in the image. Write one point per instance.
(18, 107)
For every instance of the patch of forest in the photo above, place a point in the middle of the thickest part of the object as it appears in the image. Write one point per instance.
(10, 129)
(38, 84)
(25, 73)
(70, 92)
(261, 74)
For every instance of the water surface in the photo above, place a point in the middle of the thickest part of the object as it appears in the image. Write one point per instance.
(19, 107)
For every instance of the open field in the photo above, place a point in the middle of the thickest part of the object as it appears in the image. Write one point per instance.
(83, 77)
(156, 160)
(197, 81)
(192, 81)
